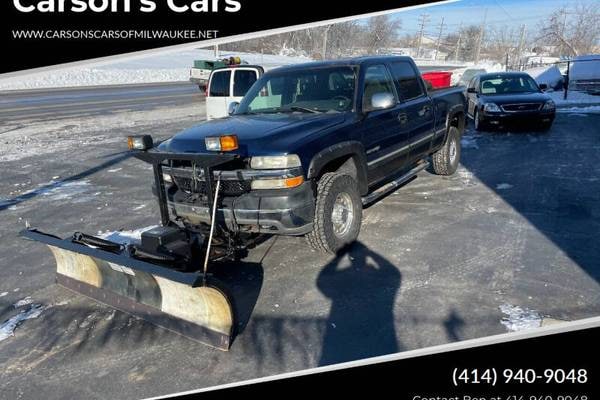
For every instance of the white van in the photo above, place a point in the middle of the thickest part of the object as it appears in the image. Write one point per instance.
(228, 85)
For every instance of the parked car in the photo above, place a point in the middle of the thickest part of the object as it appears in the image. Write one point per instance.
(469, 74)
(309, 144)
(200, 72)
(228, 85)
(509, 98)
(584, 75)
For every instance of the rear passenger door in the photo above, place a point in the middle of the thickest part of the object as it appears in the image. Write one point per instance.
(381, 129)
(417, 106)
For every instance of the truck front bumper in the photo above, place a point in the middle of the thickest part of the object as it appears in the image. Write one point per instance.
(277, 211)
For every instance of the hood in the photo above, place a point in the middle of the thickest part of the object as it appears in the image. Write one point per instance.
(257, 134)
(535, 97)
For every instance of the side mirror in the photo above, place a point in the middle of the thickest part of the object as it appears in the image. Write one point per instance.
(232, 107)
(382, 101)
(543, 87)
(471, 90)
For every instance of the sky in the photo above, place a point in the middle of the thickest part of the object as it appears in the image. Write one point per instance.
(512, 13)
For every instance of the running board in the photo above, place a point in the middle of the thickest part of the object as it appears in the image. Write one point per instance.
(393, 185)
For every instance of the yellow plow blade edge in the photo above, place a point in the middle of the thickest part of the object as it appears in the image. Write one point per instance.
(203, 313)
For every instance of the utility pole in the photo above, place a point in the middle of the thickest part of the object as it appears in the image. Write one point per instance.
(457, 49)
(423, 19)
(325, 35)
(480, 37)
(521, 43)
(216, 51)
(563, 30)
(439, 40)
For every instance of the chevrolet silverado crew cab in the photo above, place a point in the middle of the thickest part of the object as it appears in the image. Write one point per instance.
(308, 146)
(505, 98)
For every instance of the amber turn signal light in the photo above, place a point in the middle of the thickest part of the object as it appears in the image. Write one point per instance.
(229, 142)
(142, 142)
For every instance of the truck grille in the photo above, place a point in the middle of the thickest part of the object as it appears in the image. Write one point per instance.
(228, 187)
(522, 107)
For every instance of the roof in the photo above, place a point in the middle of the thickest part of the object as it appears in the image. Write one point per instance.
(503, 74)
(354, 61)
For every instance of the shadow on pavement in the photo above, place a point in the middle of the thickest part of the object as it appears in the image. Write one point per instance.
(551, 180)
(361, 320)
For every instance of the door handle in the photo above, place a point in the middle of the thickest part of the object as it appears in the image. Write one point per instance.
(425, 110)
(403, 118)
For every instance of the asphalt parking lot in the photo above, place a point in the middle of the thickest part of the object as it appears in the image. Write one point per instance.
(440, 260)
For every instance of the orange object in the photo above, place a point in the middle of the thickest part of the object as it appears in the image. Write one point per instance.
(229, 142)
(293, 182)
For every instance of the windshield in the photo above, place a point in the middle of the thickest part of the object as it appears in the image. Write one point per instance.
(508, 84)
(312, 91)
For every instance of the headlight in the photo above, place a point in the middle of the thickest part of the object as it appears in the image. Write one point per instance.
(491, 107)
(275, 162)
(221, 143)
(549, 105)
(167, 178)
(259, 184)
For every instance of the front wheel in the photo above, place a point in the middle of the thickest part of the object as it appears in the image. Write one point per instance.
(479, 125)
(446, 159)
(338, 213)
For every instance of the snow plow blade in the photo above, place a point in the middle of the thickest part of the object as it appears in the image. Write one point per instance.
(188, 303)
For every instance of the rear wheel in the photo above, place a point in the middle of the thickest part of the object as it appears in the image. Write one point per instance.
(338, 213)
(446, 159)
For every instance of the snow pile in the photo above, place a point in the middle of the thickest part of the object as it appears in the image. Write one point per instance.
(550, 76)
(470, 71)
(518, 319)
(60, 190)
(573, 98)
(23, 302)
(291, 52)
(7, 329)
(125, 237)
(170, 67)
(578, 110)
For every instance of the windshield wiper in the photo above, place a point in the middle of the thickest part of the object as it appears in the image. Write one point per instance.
(302, 109)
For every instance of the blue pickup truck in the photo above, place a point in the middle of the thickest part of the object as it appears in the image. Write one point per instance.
(308, 146)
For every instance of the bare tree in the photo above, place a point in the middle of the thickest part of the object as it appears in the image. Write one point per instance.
(501, 41)
(381, 32)
(468, 43)
(571, 32)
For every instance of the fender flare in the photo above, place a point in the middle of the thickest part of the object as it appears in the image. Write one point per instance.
(452, 112)
(351, 148)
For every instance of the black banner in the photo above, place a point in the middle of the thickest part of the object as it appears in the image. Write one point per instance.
(38, 33)
(556, 367)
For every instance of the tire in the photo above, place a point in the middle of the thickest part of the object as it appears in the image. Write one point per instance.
(339, 191)
(479, 125)
(446, 159)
